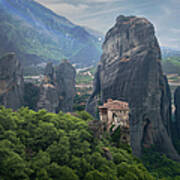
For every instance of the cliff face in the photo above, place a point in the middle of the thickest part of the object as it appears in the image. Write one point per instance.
(65, 78)
(55, 93)
(177, 111)
(11, 82)
(48, 98)
(58, 88)
(130, 70)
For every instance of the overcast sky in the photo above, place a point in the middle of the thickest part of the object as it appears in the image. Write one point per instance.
(101, 14)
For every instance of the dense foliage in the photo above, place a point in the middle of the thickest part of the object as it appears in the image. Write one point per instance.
(42, 145)
(160, 166)
(80, 101)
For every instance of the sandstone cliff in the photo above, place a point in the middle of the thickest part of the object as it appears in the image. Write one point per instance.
(11, 82)
(130, 70)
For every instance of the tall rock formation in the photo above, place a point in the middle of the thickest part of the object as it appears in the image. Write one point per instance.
(55, 93)
(65, 78)
(58, 88)
(11, 82)
(130, 70)
(31, 95)
(177, 111)
(48, 98)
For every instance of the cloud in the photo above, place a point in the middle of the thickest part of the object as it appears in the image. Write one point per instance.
(101, 1)
(130, 9)
(176, 1)
(175, 30)
(77, 1)
(64, 9)
(172, 40)
(168, 11)
(47, 2)
(101, 14)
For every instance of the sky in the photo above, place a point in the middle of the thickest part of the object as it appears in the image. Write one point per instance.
(100, 15)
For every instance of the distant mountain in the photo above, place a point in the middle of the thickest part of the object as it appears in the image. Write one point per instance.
(100, 36)
(169, 52)
(38, 35)
(171, 60)
(171, 65)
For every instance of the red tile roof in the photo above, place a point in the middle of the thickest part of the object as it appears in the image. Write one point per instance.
(115, 105)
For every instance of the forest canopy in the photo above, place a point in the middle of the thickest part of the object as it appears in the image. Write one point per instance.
(47, 146)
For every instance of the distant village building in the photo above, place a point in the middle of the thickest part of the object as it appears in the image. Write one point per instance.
(115, 114)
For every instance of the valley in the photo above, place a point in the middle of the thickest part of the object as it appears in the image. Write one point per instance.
(76, 104)
(44, 36)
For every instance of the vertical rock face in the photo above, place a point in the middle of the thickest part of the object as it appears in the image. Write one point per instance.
(49, 73)
(177, 111)
(130, 70)
(55, 93)
(65, 79)
(58, 88)
(31, 95)
(11, 82)
(48, 98)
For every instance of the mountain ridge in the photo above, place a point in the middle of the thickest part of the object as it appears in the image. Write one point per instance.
(37, 34)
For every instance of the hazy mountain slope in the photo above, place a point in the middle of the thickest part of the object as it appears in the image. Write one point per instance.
(171, 65)
(37, 35)
(95, 33)
(171, 60)
(169, 52)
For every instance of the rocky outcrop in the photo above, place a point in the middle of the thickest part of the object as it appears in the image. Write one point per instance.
(177, 111)
(31, 95)
(48, 98)
(58, 88)
(11, 82)
(130, 70)
(49, 74)
(65, 79)
(53, 94)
